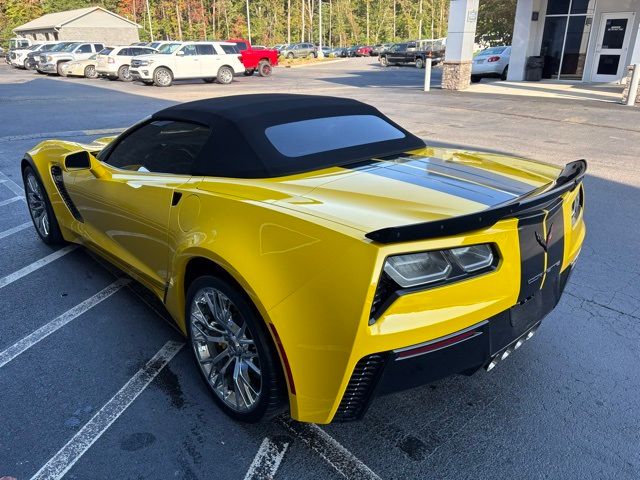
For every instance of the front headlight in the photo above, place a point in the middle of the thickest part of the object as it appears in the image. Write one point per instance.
(576, 207)
(49, 58)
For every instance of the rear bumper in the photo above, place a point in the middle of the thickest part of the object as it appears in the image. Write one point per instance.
(464, 352)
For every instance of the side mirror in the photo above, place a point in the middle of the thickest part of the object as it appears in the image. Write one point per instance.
(180, 53)
(83, 160)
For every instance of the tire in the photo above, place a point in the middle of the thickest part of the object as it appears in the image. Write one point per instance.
(312, 55)
(264, 68)
(290, 55)
(123, 74)
(25, 64)
(225, 75)
(209, 80)
(503, 76)
(384, 62)
(475, 78)
(419, 63)
(42, 215)
(59, 69)
(240, 347)
(90, 71)
(162, 77)
(249, 71)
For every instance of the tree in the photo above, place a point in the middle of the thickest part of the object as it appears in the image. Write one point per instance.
(495, 22)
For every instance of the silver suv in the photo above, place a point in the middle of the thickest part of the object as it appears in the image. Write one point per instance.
(300, 50)
(51, 62)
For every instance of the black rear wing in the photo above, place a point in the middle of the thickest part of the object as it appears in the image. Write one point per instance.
(570, 177)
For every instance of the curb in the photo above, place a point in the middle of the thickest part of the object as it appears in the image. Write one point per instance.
(315, 64)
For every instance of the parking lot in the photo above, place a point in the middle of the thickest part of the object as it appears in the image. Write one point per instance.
(96, 382)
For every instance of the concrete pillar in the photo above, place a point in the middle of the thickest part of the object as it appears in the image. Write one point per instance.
(456, 69)
(520, 42)
(635, 53)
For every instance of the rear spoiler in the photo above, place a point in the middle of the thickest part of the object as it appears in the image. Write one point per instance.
(570, 176)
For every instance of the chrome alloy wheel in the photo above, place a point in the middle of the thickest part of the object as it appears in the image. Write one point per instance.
(37, 206)
(163, 77)
(225, 350)
(225, 75)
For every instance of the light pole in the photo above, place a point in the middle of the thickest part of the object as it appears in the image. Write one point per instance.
(320, 53)
(248, 23)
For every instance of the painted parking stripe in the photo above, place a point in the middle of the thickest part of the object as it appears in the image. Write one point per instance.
(43, 332)
(68, 133)
(341, 459)
(11, 200)
(266, 462)
(11, 185)
(68, 455)
(13, 230)
(17, 275)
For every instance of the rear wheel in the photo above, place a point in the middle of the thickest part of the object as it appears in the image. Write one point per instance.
(124, 74)
(313, 55)
(162, 77)
(419, 63)
(225, 75)
(90, 71)
(475, 78)
(233, 350)
(25, 64)
(504, 73)
(290, 55)
(40, 208)
(264, 68)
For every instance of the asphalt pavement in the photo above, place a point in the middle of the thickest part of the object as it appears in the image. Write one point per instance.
(85, 400)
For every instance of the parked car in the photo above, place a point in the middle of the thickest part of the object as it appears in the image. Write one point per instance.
(18, 58)
(81, 68)
(403, 54)
(114, 62)
(263, 60)
(280, 46)
(339, 52)
(364, 51)
(209, 61)
(491, 62)
(157, 44)
(53, 61)
(409, 266)
(35, 58)
(351, 51)
(16, 43)
(300, 50)
(326, 50)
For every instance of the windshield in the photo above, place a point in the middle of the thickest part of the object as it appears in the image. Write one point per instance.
(493, 51)
(69, 47)
(168, 48)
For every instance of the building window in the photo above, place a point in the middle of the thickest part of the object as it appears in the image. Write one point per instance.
(565, 38)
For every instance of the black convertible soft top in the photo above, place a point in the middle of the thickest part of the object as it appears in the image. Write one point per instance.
(239, 146)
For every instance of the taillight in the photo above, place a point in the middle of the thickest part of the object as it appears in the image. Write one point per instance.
(240, 57)
(110, 60)
(493, 59)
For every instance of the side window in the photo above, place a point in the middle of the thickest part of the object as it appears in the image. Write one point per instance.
(125, 52)
(98, 46)
(241, 45)
(145, 51)
(402, 48)
(85, 48)
(190, 49)
(162, 146)
(229, 49)
(205, 49)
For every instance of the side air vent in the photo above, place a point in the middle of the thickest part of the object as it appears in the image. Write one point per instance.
(363, 381)
(56, 174)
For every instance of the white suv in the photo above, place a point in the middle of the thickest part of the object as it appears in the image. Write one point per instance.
(188, 60)
(114, 62)
(18, 58)
(75, 51)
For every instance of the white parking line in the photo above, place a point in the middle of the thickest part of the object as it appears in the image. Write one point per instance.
(43, 332)
(17, 275)
(68, 455)
(11, 185)
(10, 200)
(341, 459)
(13, 230)
(266, 462)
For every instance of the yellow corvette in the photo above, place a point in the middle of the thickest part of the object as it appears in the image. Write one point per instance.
(314, 252)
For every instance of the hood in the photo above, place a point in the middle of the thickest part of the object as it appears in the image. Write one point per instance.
(420, 186)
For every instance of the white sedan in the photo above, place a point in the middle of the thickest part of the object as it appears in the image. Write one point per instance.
(491, 62)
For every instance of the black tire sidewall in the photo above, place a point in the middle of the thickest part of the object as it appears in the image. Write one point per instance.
(55, 235)
(271, 395)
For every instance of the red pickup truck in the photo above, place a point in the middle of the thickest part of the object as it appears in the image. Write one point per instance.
(256, 59)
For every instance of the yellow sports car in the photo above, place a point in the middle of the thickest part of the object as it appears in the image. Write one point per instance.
(314, 252)
(80, 68)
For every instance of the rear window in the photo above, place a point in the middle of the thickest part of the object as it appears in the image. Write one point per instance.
(493, 51)
(106, 51)
(308, 137)
(241, 45)
(230, 49)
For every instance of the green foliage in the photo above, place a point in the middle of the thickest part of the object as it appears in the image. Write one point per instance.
(495, 22)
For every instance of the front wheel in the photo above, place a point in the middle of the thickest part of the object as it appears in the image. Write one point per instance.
(233, 350)
(59, 70)
(162, 77)
(313, 55)
(384, 62)
(289, 55)
(419, 63)
(225, 75)
(90, 71)
(124, 74)
(40, 208)
(264, 68)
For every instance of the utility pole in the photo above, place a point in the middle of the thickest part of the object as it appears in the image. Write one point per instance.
(330, 32)
(394, 20)
(367, 22)
(248, 23)
(302, 29)
(320, 52)
(288, 22)
(149, 15)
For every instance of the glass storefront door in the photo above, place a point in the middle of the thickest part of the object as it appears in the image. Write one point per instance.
(565, 38)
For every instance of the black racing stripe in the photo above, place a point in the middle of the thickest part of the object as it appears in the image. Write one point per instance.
(451, 186)
(467, 172)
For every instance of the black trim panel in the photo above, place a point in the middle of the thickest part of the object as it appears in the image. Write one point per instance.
(56, 175)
